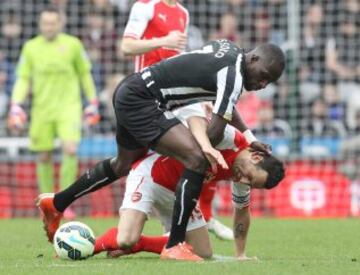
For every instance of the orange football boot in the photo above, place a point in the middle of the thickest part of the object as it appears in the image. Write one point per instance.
(180, 252)
(51, 216)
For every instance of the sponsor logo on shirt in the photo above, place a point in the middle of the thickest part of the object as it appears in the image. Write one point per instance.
(162, 17)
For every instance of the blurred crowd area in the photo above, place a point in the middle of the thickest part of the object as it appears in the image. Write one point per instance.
(314, 109)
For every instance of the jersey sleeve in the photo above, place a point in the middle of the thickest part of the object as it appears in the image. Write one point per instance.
(233, 139)
(191, 110)
(240, 195)
(82, 60)
(24, 66)
(229, 87)
(140, 15)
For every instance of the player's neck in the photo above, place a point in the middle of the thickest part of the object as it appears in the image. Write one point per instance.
(170, 2)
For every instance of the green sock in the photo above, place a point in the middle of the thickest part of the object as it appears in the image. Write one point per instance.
(68, 170)
(45, 177)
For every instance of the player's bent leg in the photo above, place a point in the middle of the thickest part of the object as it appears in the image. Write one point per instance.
(121, 165)
(178, 142)
(130, 227)
(200, 242)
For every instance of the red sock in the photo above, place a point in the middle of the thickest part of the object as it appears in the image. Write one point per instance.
(206, 198)
(150, 244)
(107, 242)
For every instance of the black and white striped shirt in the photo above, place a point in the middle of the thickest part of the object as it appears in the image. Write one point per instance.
(213, 73)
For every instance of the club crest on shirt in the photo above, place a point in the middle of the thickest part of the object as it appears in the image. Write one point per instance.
(136, 196)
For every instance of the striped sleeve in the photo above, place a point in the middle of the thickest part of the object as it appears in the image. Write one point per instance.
(229, 87)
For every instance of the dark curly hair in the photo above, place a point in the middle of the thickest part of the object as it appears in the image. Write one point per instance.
(275, 169)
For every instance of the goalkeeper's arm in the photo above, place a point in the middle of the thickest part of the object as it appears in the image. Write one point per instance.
(91, 111)
(17, 116)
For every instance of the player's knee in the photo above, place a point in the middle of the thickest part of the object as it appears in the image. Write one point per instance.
(196, 161)
(45, 157)
(126, 240)
(119, 167)
(206, 254)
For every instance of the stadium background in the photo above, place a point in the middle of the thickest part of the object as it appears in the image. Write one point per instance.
(311, 116)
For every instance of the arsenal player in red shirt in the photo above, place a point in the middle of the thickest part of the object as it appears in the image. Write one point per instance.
(152, 182)
(156, 30)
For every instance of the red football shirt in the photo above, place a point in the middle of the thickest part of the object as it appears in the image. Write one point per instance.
(166, 171)
(154, 18)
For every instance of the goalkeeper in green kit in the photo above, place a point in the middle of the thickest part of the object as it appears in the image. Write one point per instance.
(54, 66)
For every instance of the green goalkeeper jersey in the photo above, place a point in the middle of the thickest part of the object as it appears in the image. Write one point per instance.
(56, 70)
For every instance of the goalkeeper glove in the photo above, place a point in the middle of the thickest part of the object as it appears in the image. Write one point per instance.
(91, 113)
(16, 117)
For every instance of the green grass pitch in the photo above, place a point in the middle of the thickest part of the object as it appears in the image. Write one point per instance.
(282, 246)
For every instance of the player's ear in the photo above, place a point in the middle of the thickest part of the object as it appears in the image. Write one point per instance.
(254, 58)
(256, 157)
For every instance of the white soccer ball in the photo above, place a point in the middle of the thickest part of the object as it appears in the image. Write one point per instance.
(74, 240)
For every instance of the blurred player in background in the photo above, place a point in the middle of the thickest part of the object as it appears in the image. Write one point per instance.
(157, 29)
(53, 65)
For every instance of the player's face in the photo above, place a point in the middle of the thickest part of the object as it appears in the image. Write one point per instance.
(247, 171)
(50, 24)
(258, 74)
(257, 78)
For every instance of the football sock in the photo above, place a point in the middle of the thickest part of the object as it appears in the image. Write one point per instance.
(107, 242)
(93, 179)
(206, 198)
(186, 195)
(45, 177)
(150, 244)
(68, 170)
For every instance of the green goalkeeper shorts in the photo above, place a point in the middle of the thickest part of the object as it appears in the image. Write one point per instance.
(43, 133)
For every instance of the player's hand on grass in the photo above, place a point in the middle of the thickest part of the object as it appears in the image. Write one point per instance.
(16, 118)
(214, 157)
(175, 40)
(91, 113)
(261, 147)
(246, 258)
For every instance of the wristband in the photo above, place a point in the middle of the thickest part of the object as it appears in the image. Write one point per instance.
(249, 136)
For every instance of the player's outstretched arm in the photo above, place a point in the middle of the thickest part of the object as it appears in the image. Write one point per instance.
(241, 228)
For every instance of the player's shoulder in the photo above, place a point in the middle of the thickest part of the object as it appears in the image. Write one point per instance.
(34, 41)
(146, 2)
(70, 40)
(182, 8)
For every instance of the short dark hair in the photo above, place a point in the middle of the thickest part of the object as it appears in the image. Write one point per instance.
(275, 169)
(51, 9)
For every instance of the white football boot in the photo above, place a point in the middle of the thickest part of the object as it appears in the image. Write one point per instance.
(220, 230)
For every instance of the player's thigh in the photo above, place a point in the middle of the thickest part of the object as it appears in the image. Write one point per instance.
(42, 134)
(128, 151)
(130, 226)
(200, 241)
(178, 142)
(136, 206)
